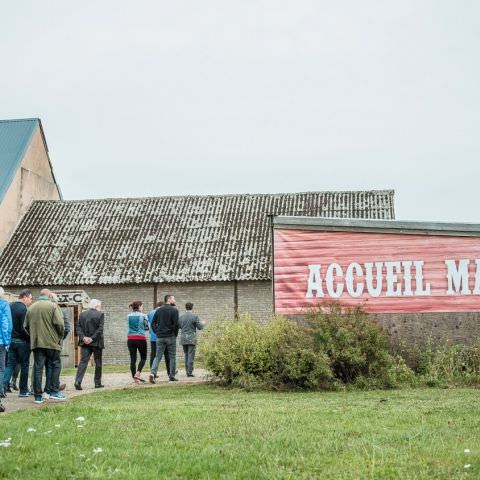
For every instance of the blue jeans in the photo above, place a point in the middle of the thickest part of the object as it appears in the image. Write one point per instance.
(18, 354)
(167, 346)
(3, 353)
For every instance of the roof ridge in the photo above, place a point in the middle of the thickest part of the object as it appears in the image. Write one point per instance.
(20, 120)
(220, 195)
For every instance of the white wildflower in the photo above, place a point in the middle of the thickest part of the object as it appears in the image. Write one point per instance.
(31, 430)
(6, 443)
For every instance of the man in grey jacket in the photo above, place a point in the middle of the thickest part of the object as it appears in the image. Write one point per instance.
(189, 324)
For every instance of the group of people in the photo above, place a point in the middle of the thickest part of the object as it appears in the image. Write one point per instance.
(41, 326)
(26, 327)
(163, 324)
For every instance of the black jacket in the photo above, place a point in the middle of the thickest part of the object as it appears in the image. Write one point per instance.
(90, 324)
(19, 312)
(165, 321)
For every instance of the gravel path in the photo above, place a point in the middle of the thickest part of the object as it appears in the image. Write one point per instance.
(112, 381)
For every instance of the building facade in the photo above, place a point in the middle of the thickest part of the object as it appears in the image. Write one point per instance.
(214, 251)
(420, 280)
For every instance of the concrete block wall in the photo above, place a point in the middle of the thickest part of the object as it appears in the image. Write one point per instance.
(212, 301)
(418, 328)
(255, 298)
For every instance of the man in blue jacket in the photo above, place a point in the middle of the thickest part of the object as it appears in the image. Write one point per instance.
(5, 339)
(19, 352)
(153, 337)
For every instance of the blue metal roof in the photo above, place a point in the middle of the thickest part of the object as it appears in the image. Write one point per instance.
(15, 138)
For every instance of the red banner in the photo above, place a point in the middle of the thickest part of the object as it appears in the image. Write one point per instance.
(384, 272)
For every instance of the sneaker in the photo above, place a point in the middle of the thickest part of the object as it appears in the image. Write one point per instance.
(38, 399)
(25, 394)
(57, 396)
(151, 378)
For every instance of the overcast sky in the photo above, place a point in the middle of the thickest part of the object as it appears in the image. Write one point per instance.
(151, 98)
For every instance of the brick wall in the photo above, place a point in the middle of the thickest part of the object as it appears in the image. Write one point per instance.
(212, 301)
(256, 299)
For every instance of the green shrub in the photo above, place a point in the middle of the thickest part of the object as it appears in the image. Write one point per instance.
(357, 347)
(334, 347)
(277, 355)
(446, 364)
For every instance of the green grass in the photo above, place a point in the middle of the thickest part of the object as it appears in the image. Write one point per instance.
(206, 432)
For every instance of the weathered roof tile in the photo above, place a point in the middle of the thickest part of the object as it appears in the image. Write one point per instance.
(164, 239)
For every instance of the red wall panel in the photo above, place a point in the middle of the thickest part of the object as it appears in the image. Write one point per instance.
(295, 250)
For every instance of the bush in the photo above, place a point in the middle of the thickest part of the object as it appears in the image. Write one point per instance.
(357, 347)
(446, 364)
(278, 355)
(332, 348)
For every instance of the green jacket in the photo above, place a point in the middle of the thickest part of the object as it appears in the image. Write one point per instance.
(44, 322)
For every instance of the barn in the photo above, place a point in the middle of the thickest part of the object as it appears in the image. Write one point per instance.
(212, 250)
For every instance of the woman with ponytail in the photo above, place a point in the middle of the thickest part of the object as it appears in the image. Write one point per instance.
(137, 325)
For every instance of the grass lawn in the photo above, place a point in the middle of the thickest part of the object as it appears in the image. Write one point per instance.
(204, 432)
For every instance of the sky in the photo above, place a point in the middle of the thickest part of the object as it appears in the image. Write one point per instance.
(153, 98)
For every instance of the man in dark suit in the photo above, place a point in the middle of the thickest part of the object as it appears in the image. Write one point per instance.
(189, 323)
(90, 339)
(165, 326)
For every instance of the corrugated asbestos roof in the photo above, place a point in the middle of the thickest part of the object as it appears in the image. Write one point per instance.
(165, 239)
(15, 138)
